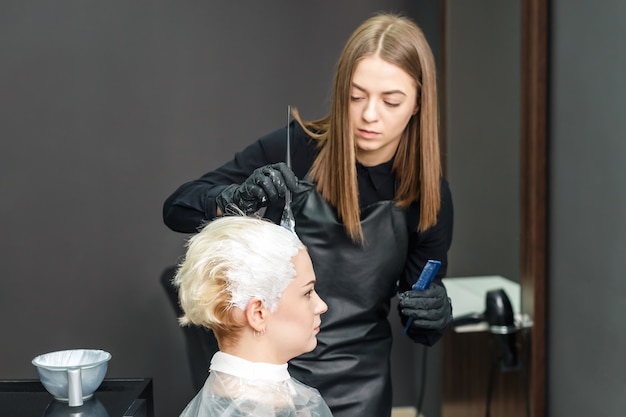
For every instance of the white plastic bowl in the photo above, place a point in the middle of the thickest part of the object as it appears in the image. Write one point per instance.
(58, 371)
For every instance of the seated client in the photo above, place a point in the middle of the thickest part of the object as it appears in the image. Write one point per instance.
(252, 283)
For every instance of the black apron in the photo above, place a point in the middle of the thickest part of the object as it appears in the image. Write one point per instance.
(351, 365)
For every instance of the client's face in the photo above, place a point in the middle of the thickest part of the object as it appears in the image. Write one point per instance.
(296, 321)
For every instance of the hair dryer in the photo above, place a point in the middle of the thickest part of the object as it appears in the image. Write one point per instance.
(499, 315)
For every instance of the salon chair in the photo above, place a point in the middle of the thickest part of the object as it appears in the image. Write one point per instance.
(200, 342)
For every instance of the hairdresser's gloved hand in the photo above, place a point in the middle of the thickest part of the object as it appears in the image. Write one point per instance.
(430, 308)
(264, 186)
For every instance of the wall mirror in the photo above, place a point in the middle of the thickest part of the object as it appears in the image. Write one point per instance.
(494, 71)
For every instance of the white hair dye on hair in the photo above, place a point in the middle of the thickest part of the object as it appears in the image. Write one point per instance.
(266, 268)
(255, 255)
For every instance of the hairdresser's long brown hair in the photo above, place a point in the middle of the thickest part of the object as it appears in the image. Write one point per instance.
(417, 166)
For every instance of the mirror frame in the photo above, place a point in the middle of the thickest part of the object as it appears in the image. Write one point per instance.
(534, 180)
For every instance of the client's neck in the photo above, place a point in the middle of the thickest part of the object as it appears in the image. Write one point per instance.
(254, 348)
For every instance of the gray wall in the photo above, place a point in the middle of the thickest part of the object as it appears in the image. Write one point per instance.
(587, 216)
(106, 107)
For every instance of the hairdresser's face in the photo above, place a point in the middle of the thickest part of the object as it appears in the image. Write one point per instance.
(382, 100)
(296, 321)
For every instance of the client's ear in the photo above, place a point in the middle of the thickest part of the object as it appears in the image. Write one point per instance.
(256, 314)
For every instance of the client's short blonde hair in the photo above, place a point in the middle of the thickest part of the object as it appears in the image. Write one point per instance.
(231, 260)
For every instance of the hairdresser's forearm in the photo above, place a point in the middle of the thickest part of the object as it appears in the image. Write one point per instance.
(191, 205)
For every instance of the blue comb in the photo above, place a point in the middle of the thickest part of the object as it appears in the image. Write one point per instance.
(423, 282)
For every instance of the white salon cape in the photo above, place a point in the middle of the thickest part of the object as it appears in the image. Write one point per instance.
(240, 388)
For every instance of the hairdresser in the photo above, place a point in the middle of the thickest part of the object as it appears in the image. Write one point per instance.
(370, 204)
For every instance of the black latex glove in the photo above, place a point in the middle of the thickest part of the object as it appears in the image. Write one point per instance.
(264, 186)
(430, 308)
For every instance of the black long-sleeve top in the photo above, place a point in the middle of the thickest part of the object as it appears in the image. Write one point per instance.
(193, 203)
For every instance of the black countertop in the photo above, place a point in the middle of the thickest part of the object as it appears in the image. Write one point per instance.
(130, 397)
